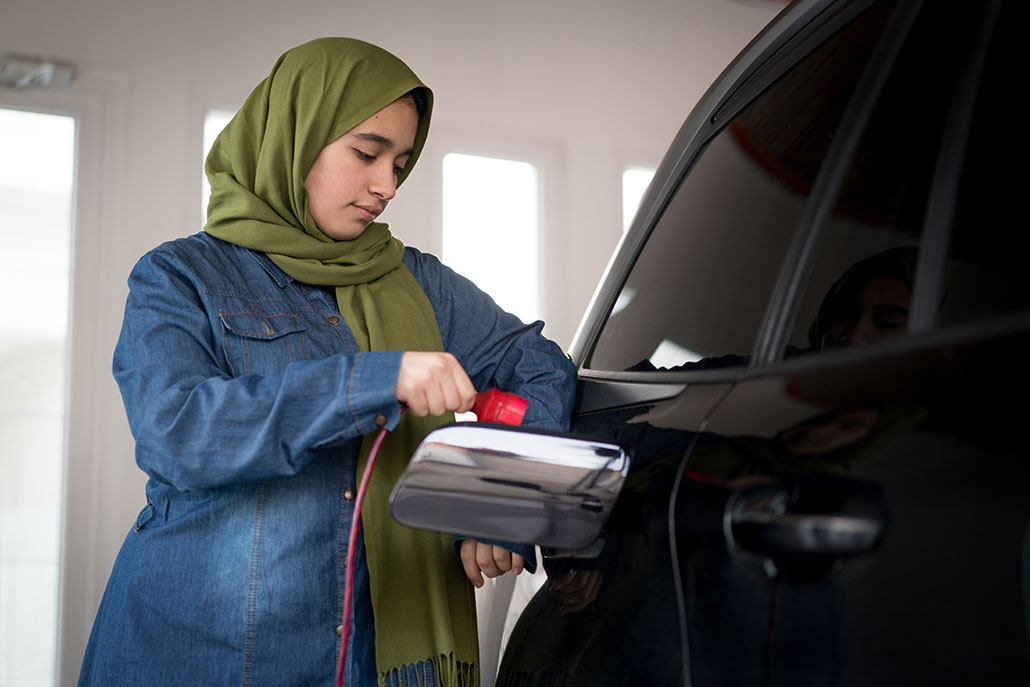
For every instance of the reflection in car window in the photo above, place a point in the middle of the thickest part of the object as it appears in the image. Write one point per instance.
(698, 291)
(986, 272)
(860, 289)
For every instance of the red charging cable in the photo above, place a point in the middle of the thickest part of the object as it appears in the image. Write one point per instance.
(490, 406)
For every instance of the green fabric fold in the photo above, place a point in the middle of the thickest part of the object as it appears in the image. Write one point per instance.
(424, 606)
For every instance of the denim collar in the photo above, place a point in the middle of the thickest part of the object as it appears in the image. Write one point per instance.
(280, 277)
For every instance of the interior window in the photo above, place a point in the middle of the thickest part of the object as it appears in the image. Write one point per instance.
(214, 121)
(37, 181)
(698, 291)
(491, 228)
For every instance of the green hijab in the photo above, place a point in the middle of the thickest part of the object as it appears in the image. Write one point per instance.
(424, 607)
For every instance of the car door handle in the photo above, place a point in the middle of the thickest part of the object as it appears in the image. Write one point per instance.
(807, 518)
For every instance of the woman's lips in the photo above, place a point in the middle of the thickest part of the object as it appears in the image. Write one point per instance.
(368, 212)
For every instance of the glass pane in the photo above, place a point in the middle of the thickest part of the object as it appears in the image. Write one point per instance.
(491, 228)
(986, 272)
(214, 122)
(860, 289)
(698, 291)
(36, 182)
(634, 184)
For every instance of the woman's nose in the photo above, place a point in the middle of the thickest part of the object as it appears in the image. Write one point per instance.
(862, 332)
(384, 183)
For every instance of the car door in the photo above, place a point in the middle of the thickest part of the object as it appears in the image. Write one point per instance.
(877, 531)
(784, 486)
(672, 329)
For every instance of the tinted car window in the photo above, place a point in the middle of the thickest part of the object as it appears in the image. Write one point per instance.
(985, 271)
(700, 287)
(861, 286)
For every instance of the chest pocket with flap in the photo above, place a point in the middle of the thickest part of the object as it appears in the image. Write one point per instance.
(261, 344)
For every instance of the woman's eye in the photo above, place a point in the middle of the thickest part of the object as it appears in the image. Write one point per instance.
(364, 156)
(397, 169)
(891, 319)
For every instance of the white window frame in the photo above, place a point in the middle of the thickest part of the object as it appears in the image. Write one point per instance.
(96, 439)
(548, 164)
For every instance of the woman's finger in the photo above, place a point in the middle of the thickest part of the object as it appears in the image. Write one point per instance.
(467, 553)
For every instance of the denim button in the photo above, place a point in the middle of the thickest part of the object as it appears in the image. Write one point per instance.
(348, 494)
(332, 319)
(380, 420)
(339, 630)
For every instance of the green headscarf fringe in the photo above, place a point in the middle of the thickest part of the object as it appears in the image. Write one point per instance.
(447, 672)
(316, 92)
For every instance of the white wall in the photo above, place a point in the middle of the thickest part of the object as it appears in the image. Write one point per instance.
(598, 85)
(603, 83)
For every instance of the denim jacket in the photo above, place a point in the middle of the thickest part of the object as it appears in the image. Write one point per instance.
(248, 397)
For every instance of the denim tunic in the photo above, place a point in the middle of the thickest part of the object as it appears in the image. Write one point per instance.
(248, 397)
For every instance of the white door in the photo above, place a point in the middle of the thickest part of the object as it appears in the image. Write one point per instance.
(36, 227)
(61, 150)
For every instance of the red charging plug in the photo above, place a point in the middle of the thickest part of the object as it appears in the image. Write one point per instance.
(499, 406)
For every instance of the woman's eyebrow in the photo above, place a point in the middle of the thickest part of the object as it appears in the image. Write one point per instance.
(379, 140)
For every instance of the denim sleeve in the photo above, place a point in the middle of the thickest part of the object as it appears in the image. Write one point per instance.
(495, 347)
(196, 426)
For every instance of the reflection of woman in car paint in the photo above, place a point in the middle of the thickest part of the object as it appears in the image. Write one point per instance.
(868, 303)
(829, 432)
(830, 442)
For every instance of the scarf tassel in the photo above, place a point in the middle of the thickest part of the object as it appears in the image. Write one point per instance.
(438, 671)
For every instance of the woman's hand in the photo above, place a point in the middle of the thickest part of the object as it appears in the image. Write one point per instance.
(433, 383)
(479, 559)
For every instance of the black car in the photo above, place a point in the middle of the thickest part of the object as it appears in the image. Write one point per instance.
(798, 454)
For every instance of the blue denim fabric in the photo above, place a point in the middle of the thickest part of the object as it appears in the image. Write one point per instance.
(248, 403)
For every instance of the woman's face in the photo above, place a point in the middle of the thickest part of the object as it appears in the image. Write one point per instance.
(873, 310)
(355, 176)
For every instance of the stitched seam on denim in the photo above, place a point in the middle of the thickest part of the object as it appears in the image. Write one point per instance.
(281, 279)
(342, 534)
(255, 556)
(262, 317)
(316, 306)
(250, 299)
(350, 385)
(228, 349)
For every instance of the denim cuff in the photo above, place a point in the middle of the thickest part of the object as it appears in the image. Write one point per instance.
(374, 378)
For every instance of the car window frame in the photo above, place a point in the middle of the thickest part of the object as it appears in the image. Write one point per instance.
(928, 289)
(690, 143)
(743, 81)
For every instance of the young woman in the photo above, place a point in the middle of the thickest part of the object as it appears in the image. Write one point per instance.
(255, 360)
